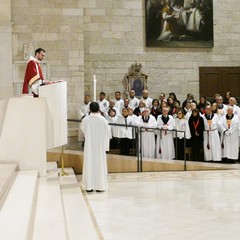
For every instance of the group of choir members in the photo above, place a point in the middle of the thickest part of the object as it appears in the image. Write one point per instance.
(212, 132)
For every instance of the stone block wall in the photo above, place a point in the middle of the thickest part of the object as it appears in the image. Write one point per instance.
(114, 38)
(57, 26)
(104, 37)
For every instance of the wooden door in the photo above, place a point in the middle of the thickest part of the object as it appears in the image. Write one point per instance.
(219, 80)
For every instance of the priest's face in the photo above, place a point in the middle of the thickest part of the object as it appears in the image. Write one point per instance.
(40, 56)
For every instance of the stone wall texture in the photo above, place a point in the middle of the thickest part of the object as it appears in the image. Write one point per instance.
(104, 37)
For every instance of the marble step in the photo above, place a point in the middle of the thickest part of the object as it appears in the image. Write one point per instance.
(16, 213)
(78, 219)
(49, 221)
(8, 173)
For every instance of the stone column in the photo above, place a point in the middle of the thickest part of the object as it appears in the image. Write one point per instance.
(6, 64)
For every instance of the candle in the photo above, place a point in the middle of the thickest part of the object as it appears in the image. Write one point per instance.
(94, 87)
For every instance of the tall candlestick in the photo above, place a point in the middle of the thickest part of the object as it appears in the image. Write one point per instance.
(94, 87)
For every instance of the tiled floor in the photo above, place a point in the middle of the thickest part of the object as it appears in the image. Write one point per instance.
(169, 206)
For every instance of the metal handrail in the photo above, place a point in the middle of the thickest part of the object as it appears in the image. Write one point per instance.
(138, 132)
(160, 129)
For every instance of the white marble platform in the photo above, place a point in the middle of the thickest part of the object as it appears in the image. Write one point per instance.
(197, 205)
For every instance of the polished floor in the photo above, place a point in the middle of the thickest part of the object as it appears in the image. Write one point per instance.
(199, 205)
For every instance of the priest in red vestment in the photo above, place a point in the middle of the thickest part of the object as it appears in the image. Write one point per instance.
(33, 74)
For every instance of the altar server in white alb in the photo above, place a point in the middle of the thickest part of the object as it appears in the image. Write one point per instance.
(125, 132)
(165, 146)
(211, 139)
(97, 135)
(230, 139)
(133, 101)
(148, 135)
(103, 103)
(82, 112)
(181, 124)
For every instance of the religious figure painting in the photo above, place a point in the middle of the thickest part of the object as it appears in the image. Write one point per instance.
(137, 83)
(179, 23)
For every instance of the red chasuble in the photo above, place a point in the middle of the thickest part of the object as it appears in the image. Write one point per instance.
(32, 74)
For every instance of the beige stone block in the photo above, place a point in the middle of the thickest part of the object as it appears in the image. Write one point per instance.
(117, 4)
(51, 28)
(88, 3)
(54, 20)
(39, 37)
(20, 3)
(74, 54)
(74, 68)
(21, 29)
(72, 12)
(120, 12)
(133, 4)
(67, 4)
(73, 20)
(104, 4)
(5, 11)
(51, 36)
(65, 29)
(92, 27)
(95, 12)
(75, 61)
(137, 12)
(121, 27)
(112, 34)
(51, 11)
(55, 62)
(95, 49)
(105, 27)
(221, 58)
(86, 19)
(23, 38)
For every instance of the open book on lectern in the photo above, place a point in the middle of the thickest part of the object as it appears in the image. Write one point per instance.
(55, 95)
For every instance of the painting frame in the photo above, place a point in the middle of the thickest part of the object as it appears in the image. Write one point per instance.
(179, 23)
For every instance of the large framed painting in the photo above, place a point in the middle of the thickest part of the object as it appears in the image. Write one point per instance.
(179, 23)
